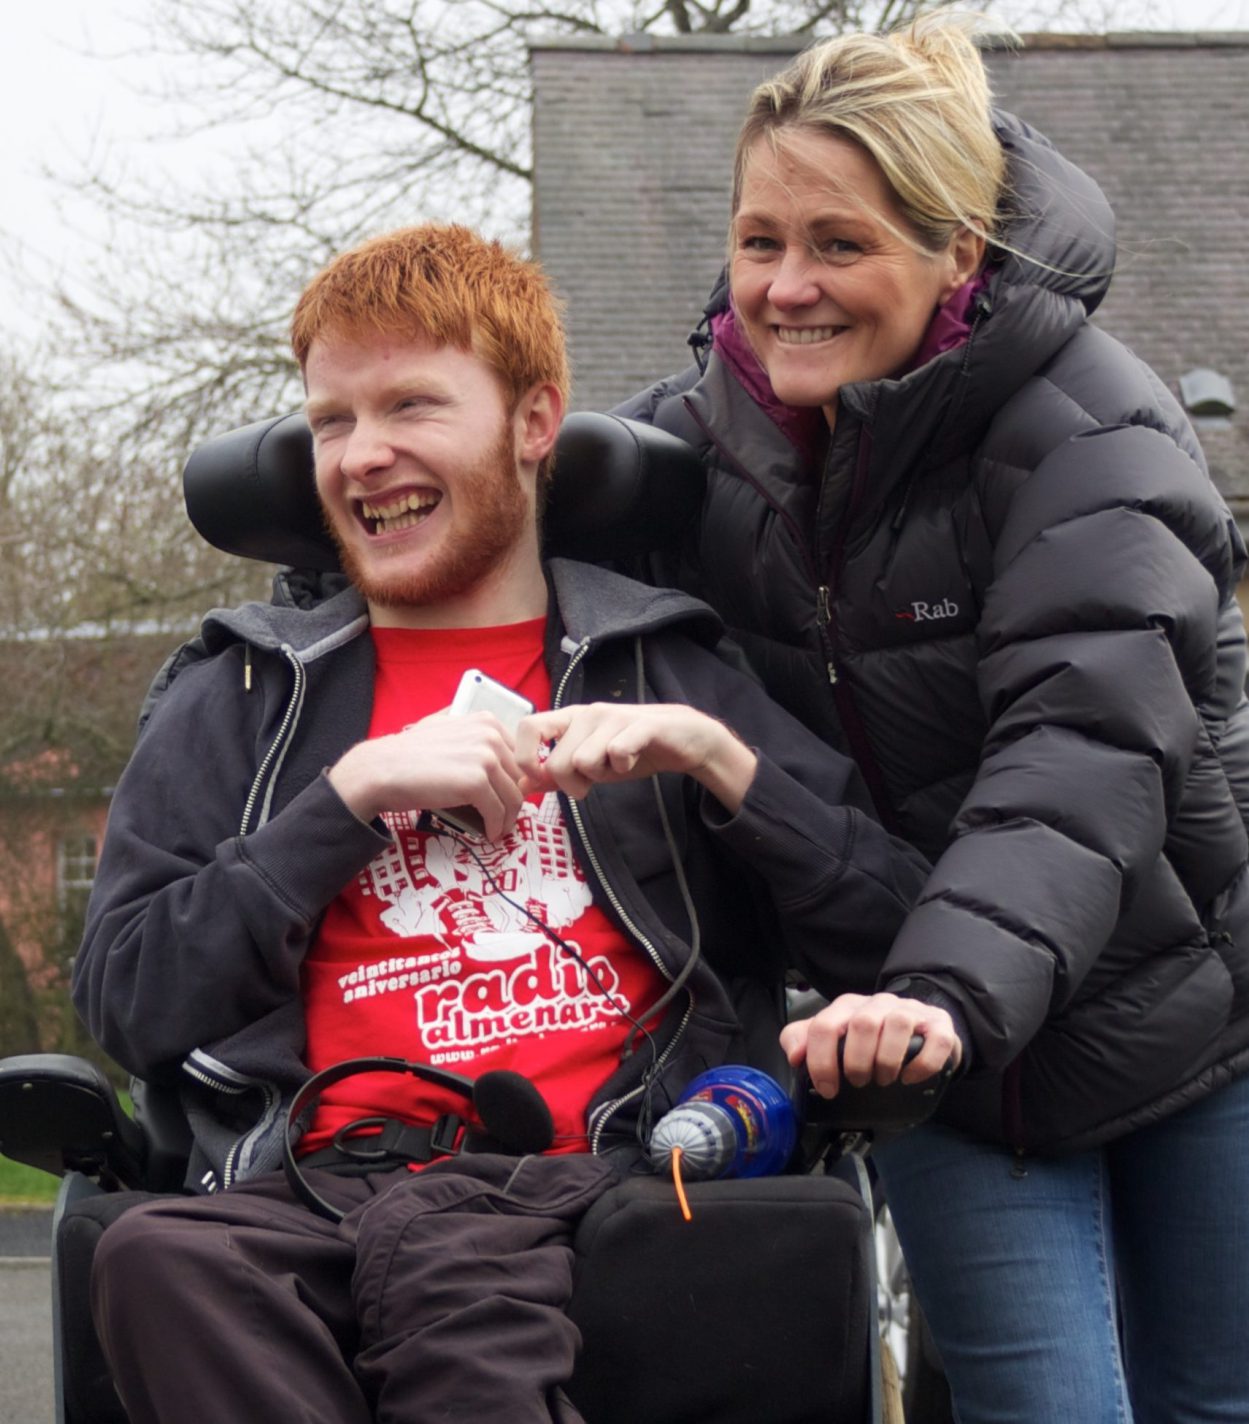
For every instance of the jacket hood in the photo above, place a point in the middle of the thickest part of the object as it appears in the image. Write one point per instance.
(308, 631)
(1059, 220)
(592, 602)
(596, 603)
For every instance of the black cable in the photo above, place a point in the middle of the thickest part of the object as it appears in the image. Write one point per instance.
(696, 935)
(650, 1074)
(639, 1029)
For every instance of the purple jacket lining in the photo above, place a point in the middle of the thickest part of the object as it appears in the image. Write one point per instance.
(803, 427)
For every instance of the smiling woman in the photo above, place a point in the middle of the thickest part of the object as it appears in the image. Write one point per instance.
(963, 532)
(831, 284)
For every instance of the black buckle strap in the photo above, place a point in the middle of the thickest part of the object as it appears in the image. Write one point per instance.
(386, 1140)
(382, 1144)
(445, 1139)
(395, 1144)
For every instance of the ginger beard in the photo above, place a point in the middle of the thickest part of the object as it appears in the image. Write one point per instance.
(489, 517)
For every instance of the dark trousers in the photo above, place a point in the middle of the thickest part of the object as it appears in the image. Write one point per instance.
(439, 1297)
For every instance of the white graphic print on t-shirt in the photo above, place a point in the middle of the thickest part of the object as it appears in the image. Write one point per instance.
(514, 982)
(434, 885)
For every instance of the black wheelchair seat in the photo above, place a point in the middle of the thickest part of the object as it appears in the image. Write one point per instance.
(650, 1297)
(620, 490)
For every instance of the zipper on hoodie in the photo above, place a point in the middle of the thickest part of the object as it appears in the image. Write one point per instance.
(601, 1114)
(277, 746)
(575, 814)
(825, 614)
(224, 1080)
(228, 1086)
(230, 1166)
(599, 1118)
(211, 1080)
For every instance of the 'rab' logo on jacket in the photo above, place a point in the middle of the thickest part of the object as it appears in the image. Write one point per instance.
(920, 612)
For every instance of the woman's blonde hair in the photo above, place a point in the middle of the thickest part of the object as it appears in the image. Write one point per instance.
(917, 99)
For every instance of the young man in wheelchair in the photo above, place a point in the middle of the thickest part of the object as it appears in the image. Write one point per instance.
(310, 860)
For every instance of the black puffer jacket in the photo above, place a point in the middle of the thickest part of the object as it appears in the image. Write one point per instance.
(1020, 619)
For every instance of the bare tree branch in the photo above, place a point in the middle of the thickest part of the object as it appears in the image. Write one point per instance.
(348, 117)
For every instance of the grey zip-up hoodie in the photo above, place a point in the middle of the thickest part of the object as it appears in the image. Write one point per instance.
(226, 844)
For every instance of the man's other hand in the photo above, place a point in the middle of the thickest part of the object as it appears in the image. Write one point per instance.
(602, 742)
(435, 764)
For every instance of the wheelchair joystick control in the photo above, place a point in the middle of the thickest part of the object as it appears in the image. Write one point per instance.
(729, 1122)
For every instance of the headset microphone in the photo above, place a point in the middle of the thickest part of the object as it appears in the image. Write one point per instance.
(511, 1110)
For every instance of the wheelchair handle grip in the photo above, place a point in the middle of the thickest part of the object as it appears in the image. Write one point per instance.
(874, 1107)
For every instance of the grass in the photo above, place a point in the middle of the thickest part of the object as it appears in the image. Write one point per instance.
(25, 1186)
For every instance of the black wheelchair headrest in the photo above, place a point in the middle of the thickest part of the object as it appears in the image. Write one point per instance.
(620, 489)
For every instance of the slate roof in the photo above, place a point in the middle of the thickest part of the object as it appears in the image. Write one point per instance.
(633, 141)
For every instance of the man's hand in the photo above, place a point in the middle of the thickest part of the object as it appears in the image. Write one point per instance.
(877, 1030)
(605, 742)
(433, 765)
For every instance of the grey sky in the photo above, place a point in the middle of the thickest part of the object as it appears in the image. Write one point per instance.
(60, 106)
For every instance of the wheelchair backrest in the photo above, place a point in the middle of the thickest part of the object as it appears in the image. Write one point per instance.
(620, 490)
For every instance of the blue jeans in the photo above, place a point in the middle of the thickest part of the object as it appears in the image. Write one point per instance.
(1112, 1285)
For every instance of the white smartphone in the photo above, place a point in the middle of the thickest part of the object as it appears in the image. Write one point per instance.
(479, 693)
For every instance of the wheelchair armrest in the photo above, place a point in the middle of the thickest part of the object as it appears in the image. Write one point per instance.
(60, 1114)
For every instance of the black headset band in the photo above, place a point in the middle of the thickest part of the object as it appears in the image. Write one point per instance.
(310, 1091)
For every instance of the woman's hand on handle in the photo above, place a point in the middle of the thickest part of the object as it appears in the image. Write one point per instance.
(875, 1030)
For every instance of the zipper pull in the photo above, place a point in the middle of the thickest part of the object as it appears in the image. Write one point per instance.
(247, 667)
(900, 518)
(823, 617)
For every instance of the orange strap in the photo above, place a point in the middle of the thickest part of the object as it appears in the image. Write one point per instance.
(680, 1185)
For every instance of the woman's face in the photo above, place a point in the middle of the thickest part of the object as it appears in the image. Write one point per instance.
(826, 291)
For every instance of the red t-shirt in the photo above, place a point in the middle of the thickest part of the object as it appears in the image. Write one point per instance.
(422, 958)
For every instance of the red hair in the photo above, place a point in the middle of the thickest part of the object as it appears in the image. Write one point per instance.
(449, 286)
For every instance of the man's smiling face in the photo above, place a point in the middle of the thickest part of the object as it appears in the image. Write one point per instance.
(417, 471)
